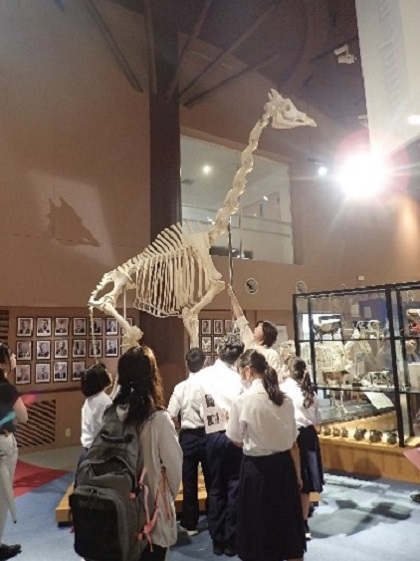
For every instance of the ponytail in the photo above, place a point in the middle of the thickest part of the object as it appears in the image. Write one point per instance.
(271, 385)
(301, 376)
(257, 362)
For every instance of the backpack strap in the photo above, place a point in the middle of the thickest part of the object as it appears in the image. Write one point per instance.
(150, 522)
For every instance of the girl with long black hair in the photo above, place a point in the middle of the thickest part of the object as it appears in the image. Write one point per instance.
(140, 402)
(262, 421)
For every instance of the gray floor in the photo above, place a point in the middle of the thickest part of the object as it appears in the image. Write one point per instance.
(60, 458)
(357, 520)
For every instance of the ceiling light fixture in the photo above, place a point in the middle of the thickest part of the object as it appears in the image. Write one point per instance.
(414, 119)
(363, 175)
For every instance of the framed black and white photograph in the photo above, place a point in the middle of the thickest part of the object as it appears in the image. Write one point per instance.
(77, 367)
(96, 327)
(61, 327)
(206, 344)
(79, 326)
(130, 321)
(111, 347)
(205, 327)
(43, 327)
(42, 373)
(23, 374)
(79, 348)
(216, 341)
(95, 348)
(228, 326)
(25, 327)
(43, 350)
(111, 326)
(218, 327)
(61, 348)
(60, 371)
(24, 350)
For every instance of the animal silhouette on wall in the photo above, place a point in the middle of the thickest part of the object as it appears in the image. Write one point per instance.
(175, 275)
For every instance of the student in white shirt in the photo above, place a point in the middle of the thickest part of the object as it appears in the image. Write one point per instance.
(307, 414)
(220, 384)
(185, 410)
(261, 339)
(262, 421)
(94, 381)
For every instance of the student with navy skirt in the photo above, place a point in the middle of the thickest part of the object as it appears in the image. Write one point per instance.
(301, 391)
(262, 421)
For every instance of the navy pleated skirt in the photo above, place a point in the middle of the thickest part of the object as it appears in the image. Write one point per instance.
(310, 460)
(270, 523)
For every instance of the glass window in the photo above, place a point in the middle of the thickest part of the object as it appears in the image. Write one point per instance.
(262, 227)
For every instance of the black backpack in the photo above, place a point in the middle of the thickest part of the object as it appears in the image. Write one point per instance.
(110, 502)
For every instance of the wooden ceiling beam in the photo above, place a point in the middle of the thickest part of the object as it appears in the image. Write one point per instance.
(316, 32)
(302, 69)
(112, 43)
(187, 47)
(224, 54)
(148, 23)
(207, 93)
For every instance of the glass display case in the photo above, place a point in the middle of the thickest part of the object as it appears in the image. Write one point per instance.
(362, 348)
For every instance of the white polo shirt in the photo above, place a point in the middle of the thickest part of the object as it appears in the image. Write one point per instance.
(186, 401)
(263, 427)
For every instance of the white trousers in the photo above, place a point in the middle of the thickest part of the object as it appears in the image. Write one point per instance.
(8, 456)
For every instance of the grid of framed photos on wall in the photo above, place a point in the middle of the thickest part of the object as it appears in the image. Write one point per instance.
(56, 349)
(211, 331)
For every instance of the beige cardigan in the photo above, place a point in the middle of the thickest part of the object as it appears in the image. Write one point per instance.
(163, 461)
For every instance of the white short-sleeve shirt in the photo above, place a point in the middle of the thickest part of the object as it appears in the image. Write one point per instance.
(304, 416)
(263, 427)
(219, 386)
(186, 401)
(93, 410)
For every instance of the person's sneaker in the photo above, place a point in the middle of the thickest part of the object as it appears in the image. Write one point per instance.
(9, 551)
(415, 497)
(308, 534)
(189, 533)
(218, 548)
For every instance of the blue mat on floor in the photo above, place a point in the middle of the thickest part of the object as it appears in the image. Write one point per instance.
(357, 520)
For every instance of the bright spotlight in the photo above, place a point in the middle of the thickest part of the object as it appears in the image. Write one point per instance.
(363, 175)
(413, 119)
(322, 171)
(206, 170)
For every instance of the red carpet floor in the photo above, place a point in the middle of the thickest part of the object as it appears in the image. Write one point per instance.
(28, 477)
